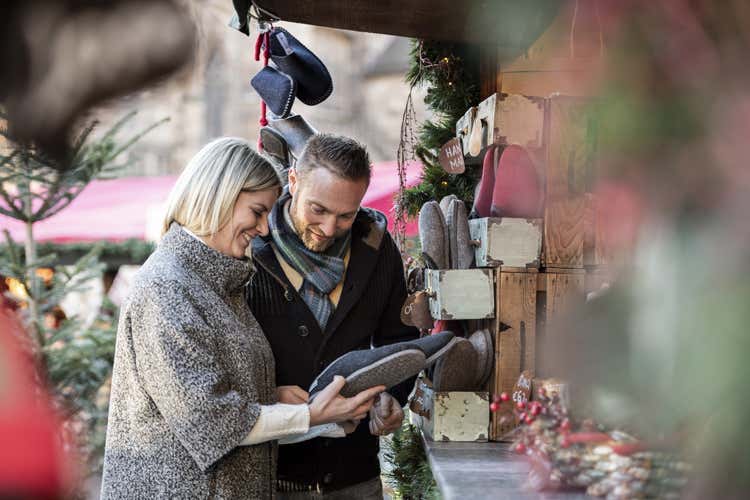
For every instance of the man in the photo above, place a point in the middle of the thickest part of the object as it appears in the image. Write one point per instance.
(330, 280)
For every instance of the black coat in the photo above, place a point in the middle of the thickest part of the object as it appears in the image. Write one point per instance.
(368, 314)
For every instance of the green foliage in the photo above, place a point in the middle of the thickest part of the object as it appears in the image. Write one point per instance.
(75, 359)
(451, 73)
(112, 254)
(410, 474)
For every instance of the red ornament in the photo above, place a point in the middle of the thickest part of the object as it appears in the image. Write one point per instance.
(520, 448)
(494, 406)
(521, 405)
(536, 409)
(528, 419)
(504, 397)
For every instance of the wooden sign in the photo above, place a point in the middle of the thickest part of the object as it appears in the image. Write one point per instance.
(452, 157)
(522, 389)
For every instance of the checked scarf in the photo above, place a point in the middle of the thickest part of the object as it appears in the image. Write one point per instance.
(322, 271)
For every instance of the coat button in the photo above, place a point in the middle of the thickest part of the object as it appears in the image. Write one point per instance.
(288, 295)
(328, 478)
(303, 331)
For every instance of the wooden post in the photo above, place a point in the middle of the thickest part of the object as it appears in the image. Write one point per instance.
(515, 335)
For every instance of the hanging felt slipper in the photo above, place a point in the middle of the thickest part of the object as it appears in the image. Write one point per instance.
(517, 191)
(277, 89)
(295, 130)
(314, 83)
(274, 144)
(388, 365)
(433, 234)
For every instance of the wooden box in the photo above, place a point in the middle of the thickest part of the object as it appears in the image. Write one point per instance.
(450, 416)
(506, 241)
(463, 128)
(461, 293)
(515, 335)
(512, 119)
(564, 230)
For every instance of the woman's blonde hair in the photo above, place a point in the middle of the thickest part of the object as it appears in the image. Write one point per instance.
(203, 198)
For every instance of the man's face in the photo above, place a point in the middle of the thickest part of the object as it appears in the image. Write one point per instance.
(323, 206)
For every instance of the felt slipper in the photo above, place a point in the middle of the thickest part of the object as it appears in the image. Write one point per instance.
(314, 82)
(483, 195)
(516, 191)
(482, 342)
(435, 345)
(461, 250)
(295, 130)
(477, 134)
(275, 145)
(433, 234)
(456, 369)
(277, 89)
(387, 365)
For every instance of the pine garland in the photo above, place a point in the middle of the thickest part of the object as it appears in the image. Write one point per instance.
(451, 73)
(410, 476)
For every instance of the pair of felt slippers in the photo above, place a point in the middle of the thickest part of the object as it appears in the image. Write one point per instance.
(459, 363)
(444, 234)
(294, 72)
(509, 186)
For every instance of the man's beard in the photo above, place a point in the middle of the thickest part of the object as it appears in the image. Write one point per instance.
(303, 231)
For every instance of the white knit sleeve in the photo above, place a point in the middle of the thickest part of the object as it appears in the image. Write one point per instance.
(278, 420)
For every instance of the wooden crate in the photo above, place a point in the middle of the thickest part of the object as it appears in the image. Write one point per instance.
(571, 147)
(450, 416)
(506, 241)
(461, 293)
(463, 128)
(515, 335)
(512, 119)
(564, 229)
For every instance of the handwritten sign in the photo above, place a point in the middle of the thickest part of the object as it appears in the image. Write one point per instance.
(452, 157)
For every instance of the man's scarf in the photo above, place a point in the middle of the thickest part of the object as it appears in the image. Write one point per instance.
(322, 271)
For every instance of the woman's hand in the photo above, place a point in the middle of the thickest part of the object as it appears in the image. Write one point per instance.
(291, 394)
(330, 406)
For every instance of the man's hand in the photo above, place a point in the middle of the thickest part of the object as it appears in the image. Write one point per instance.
(386, 415)
(291, 394)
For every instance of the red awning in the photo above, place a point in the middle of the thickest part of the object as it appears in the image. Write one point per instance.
(129, 207)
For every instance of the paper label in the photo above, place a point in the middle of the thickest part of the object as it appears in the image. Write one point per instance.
(281, 37)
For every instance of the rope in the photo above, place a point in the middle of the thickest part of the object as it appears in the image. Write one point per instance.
(263, 43)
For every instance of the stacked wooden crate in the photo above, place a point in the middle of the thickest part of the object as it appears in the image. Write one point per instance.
(531, 293)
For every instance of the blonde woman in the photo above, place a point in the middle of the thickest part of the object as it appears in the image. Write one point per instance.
(194, 411)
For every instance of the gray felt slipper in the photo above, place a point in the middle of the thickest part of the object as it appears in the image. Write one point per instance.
(295, 130)
(435, 345)
(387, 365)
(433, 234)
(457, 220)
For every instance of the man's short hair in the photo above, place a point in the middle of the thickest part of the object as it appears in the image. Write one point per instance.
(339, 155)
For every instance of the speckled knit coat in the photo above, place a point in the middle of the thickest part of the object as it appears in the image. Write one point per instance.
(191, 370)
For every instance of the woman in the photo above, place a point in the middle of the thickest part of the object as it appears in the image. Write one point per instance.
(193, 409)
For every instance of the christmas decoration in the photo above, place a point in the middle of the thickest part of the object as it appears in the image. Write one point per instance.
(410, 473)
(450, 72)
(568, 454)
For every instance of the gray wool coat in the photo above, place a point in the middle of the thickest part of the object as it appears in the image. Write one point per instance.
(191, 370)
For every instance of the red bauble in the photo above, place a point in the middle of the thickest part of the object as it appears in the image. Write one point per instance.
(504, 397)
(494, 406)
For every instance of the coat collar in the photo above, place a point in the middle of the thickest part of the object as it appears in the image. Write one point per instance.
(221, 272)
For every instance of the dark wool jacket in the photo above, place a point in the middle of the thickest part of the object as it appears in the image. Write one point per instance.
(368, 314)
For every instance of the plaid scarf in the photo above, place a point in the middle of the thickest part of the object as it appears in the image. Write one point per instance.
(322, 271)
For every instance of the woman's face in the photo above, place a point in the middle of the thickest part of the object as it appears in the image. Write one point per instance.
(249, 219)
